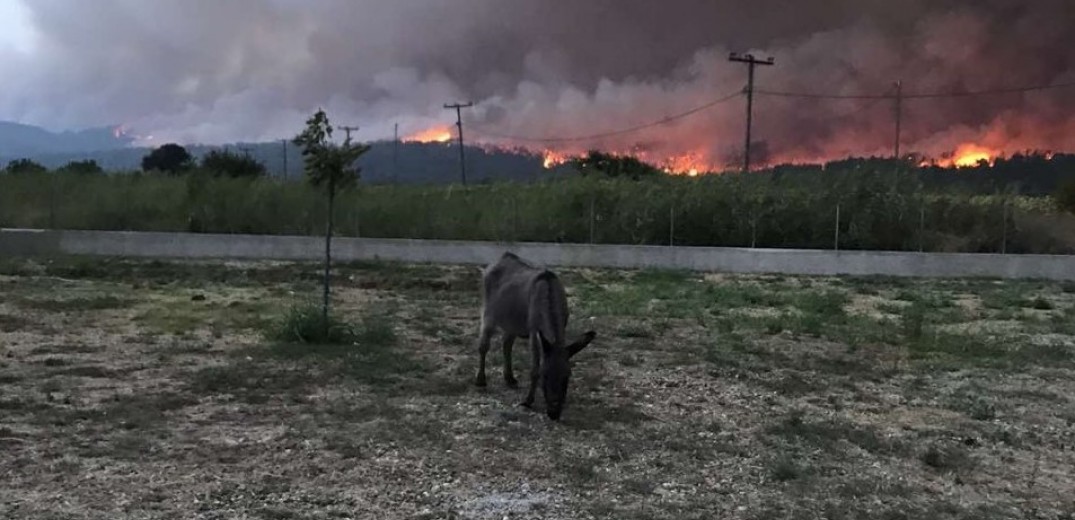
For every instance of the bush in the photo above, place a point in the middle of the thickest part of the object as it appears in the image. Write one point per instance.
(23, 167)
(303, 324)
(82, 168)
(170, 158)
(228, 164)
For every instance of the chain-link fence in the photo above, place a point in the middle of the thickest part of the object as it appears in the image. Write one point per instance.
(862, 214)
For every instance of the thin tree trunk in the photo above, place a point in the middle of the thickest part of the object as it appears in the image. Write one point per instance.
(328, 253)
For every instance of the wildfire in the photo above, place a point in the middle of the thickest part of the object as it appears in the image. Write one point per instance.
(432, 135)
(691, 165)
(969, 155)
(124, 132)
(553, 159)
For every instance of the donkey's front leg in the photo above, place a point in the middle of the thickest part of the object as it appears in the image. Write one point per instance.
(483, 349)
(535, 369)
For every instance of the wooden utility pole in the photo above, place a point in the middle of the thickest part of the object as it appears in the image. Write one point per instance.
(395, 156)
(458, 107)
(751, 62)
(899, 116)
(283, 148)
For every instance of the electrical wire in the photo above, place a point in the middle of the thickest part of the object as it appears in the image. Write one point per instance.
(613, 133)
(763, 92)
(920, 95)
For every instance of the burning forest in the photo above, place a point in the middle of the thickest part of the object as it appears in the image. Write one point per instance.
(978, 80)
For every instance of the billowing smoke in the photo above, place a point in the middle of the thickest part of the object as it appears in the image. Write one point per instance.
(210, 71)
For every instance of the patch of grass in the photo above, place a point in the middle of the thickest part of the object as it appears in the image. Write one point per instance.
(582, 471)
(670, 294)
(1042, 304)
(127, 446)
(250, 381)
(913, 319)
(732, 295)
(823, 304)
(10, 323)
(947, 457)
(986, 351)
(637, 330)
(79, 304)
(127, 412)
(1010, 296)
(827, 434)
(93, 371)
(306, 324)
(364, 352)
(786, 468)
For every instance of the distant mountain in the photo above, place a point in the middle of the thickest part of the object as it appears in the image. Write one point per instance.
(386, 162)
(18, 140)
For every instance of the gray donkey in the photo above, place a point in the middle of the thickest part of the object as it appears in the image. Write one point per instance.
(524, 301)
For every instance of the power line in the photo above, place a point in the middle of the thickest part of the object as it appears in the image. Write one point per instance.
(920, 95)
(614, 133)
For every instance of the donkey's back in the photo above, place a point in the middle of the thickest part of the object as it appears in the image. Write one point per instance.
(520, 298)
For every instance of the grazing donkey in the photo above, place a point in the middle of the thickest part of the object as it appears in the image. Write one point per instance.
(524, 301)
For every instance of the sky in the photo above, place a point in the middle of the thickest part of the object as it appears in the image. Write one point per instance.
(16, 32)
(210, 71)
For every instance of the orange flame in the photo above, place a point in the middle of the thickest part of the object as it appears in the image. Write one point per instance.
(691, 165)
(553, 159)
(441, 134)
(969, 155)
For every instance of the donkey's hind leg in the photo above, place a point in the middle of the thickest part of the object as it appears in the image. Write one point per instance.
(483, 348)
(535, 370)
(509, 377)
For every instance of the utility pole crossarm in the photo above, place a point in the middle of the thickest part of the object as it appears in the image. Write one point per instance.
(751, 62)
(347, 130)
(458, 107)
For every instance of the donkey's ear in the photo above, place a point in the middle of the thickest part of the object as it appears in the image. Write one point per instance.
(580, 343)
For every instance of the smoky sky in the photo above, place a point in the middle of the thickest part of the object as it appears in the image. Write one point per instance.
(215, 71)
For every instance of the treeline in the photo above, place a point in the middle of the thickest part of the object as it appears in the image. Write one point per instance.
(861, 205)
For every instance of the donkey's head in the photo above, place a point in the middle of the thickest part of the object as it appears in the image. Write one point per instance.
(556, 371)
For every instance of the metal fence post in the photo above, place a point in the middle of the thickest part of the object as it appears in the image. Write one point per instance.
(52, 199)
(593, 219)
(836, 243)
(1004, 227)
(754, 228)
(672, 225)
(922, 229)
(515, 217)
(358, 218)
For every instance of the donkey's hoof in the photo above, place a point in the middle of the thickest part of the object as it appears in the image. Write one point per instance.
(511, 382)
(480, 382)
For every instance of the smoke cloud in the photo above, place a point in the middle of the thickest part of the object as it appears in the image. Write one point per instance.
(207, 71)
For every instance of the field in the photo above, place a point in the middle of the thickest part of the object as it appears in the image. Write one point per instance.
(148, 390)
(873, 208)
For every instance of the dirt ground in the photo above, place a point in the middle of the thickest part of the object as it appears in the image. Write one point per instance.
(134, 389)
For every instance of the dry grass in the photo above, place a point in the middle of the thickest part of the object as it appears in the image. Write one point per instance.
(146, 389)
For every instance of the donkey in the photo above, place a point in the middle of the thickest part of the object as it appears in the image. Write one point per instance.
(524, 301)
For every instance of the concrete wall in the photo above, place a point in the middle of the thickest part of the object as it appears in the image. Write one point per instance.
(809, 262)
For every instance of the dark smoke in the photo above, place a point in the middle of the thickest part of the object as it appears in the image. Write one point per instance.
(211, 71)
